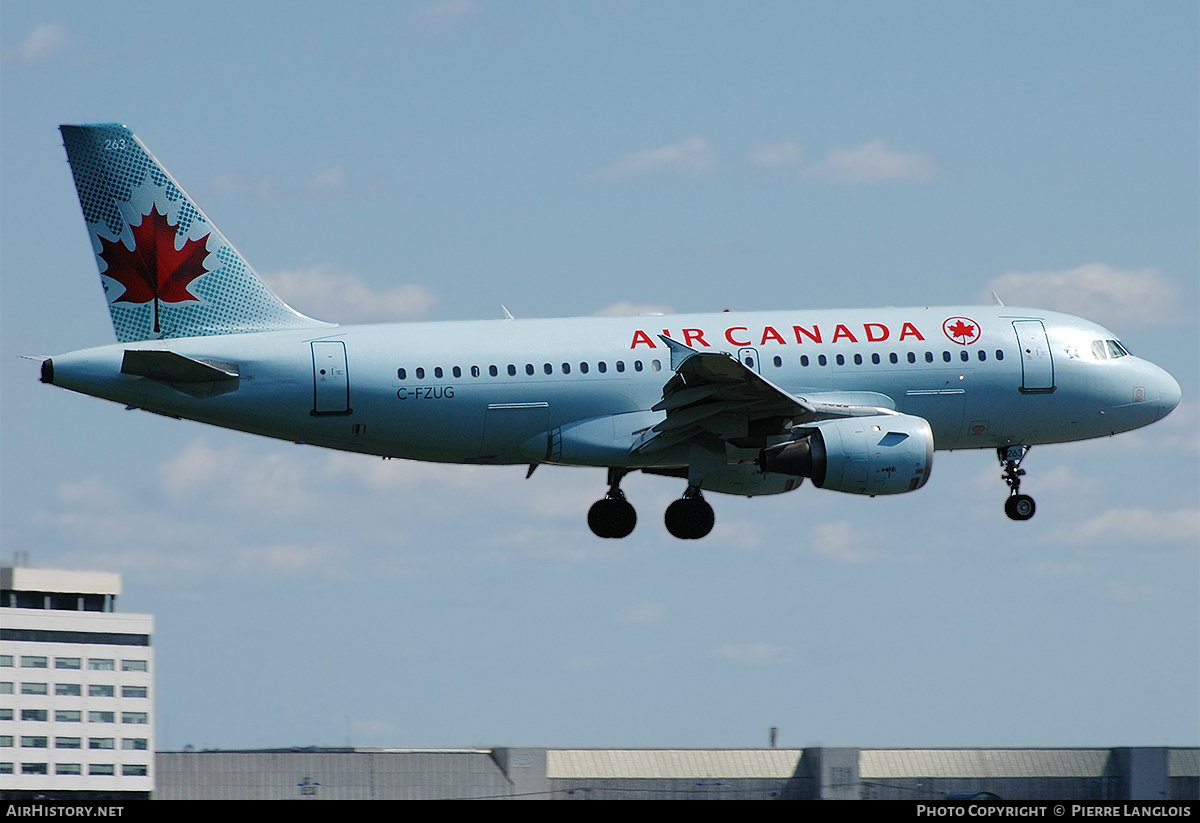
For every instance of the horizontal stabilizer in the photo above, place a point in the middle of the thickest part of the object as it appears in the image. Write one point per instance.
(169, 367)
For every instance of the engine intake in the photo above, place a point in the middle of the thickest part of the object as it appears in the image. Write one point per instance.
(883, 454)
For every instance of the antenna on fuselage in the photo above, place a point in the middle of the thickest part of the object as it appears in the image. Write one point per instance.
(996, 299)
(507, 313)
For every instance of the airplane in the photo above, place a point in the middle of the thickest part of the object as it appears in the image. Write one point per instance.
(743, 403)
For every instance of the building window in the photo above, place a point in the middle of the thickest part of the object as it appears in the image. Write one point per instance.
(6, 687)
(33, 714)
(34, 742)
(6, 741)
(134, 770)
(102, 768)
(34, 768)
(101, 664)
(101, 717)
(101, 743)
(134, 691)
(68, 768)
(68, 742)
(135, 744)
(35, 688)
(6, 661)
(68, 689)
(139, 718)
(100, 690)
(6, 714)
(65, 716)
(6, 768)
(67, 663)
(34, 662)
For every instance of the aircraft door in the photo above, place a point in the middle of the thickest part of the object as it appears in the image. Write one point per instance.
(749, 358)
(331, 383)
(1037, 364)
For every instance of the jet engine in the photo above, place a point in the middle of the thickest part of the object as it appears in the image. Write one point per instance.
(881, 454)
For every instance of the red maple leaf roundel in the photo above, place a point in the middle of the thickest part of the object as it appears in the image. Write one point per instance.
(155, 269)
(962, 330)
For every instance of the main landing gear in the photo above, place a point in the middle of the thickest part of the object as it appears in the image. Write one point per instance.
(614, 516)
(1018, 506)
(688, 518)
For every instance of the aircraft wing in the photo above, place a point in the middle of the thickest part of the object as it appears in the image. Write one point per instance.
(713, 394)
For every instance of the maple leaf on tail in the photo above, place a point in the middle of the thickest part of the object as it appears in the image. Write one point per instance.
(155, 269)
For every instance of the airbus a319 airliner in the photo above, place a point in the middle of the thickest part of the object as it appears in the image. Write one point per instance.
(738, 403)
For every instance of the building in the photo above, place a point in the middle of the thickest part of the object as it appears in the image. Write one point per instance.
(76, 688)
(1085, 775)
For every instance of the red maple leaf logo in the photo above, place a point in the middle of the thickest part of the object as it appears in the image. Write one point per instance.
(962, 330)
(155, 269)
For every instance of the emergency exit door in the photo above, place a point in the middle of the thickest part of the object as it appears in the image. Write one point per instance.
(331, 382)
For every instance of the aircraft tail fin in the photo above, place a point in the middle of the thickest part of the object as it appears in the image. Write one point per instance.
(166, 269)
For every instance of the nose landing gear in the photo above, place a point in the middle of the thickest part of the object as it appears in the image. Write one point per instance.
(1018, 506)
(613, 516)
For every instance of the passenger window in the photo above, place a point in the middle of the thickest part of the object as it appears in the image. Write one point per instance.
(999, 354)
(493, 371)
(893, 358)
(402, 374)
(654, 364)
(621, 366)
(512, 370)
(778, 361)
(928, 357)
(602, 366)
(912, 357)
(437, 372)
(474, 371)
(964, 355)
(457, 371)
(804, 360)
(566, 368)
(583, 367)
(841, 361)
(548, 369)
(858, 359)
(822, 360)
(637, 365)
(946, 356)
(529, 368)
(420, 372)
(982, 355)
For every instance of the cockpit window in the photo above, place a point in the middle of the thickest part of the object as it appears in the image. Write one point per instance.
(1108, 349)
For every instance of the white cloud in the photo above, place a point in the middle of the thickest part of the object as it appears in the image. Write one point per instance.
(327, 293)
(753, 653)
(690, 157)
(329, 181)
(1099, 292)
(626, 308)
(842, 543)
(645, 613)
(777, 155)
(443, 15)
(1134, 526)
(873, 162)
(41, 44)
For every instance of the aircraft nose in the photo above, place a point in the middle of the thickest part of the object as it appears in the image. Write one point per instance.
(1168, 394)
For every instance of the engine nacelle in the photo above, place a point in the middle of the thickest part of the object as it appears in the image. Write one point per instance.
(881, 454)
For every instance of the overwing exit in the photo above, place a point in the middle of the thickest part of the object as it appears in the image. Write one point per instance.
(855, 400)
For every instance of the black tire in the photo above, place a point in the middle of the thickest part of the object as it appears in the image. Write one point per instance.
(624, 518)
(1019, 507)
(600, 519)
(690, 519)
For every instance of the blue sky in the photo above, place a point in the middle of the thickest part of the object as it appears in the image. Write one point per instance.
(428, 161)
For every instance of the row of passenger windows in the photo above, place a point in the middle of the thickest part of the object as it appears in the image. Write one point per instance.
(548, 368)
(893, 357)
(584, 367)
(76, 689)
(43, 715)
(127, 769)
(139, 744)
(96, 664)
